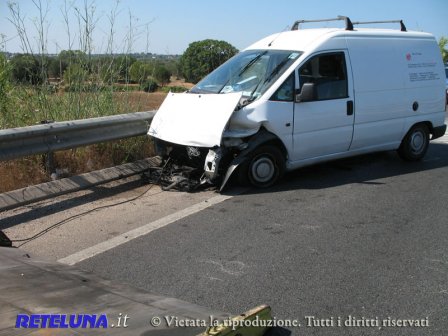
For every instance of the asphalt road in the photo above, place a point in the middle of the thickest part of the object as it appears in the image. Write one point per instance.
(363, 240)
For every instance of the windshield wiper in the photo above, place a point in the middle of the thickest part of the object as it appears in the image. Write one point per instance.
(271, 75)
(252, 97)
(276, 70)
(251, 62)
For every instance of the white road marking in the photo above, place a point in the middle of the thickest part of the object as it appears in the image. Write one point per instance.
(143, 230)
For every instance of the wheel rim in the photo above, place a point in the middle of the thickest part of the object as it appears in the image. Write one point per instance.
(262, 169)
(418, 142)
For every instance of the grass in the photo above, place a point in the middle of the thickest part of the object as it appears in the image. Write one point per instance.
(30, 105)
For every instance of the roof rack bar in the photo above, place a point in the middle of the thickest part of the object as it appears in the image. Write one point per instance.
(402, 26)
(348, 23)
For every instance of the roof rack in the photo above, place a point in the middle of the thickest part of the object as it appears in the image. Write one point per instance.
(348, 23)
(402, 26)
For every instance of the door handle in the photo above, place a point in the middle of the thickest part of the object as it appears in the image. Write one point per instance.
(350, 107)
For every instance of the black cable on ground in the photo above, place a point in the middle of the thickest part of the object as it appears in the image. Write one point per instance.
(69, 219)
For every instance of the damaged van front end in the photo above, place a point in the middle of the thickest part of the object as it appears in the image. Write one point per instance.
(199, 139)
(188, 129)
(218, 122)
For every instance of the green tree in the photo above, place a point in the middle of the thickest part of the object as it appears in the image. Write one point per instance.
(443, 44)
(68, 57)
(58, 65)
(202, 57)
(162, 75)
(75, 76)
(173, 66)
(139, 71)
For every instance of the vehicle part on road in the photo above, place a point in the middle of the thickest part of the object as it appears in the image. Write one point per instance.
(172, 174)
(415, 143)
(249, 323)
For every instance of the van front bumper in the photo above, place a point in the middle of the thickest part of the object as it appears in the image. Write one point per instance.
(438, 132)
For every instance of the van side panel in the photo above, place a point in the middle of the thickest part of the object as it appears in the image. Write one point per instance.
(380, 99)
(398, 83)
(425, 82)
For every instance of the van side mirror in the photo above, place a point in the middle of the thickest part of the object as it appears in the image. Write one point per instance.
(308, 93)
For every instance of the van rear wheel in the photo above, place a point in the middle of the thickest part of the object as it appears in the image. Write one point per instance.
(415, 144)
(266, 165)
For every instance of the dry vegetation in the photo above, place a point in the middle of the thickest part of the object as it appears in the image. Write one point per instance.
(28, 171)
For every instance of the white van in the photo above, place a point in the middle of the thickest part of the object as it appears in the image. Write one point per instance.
(305, 96)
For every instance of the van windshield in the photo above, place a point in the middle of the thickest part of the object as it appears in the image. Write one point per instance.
(251, 72)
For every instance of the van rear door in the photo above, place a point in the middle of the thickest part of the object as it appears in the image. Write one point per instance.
(323, 125)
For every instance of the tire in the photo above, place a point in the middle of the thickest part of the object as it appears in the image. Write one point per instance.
(265, 166)
(415, 144)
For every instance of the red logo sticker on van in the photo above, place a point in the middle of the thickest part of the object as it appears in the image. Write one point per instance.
(408, 56)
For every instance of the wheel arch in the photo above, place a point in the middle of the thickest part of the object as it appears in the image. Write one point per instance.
(410, 125)
(262, 137)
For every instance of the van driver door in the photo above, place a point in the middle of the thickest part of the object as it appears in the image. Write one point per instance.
(323, 120)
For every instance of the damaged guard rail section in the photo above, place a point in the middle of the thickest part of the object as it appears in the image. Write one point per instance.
(47, 138)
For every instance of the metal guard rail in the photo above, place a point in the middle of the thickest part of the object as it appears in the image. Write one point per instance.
(47, 138)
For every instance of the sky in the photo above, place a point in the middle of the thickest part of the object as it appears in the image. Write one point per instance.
(168, 27)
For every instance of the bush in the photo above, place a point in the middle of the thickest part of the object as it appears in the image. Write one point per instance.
(162, 75)
(139, 71)
(149, 86)
(26, 69)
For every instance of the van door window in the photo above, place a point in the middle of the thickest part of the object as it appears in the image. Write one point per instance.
(286, 91)
(329, 75)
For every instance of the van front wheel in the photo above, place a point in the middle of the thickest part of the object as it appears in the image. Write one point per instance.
(415, 143)
(265, 166)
